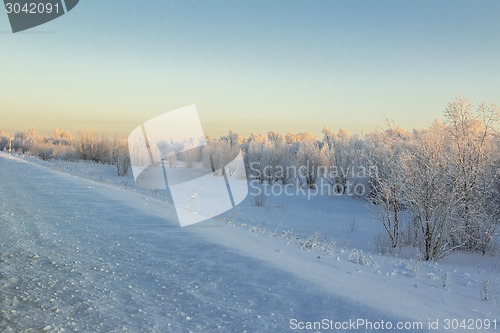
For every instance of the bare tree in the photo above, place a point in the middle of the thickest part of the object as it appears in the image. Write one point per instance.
(471, 141)
(120, 156)
(5, 139)
(340, 155)
(61, 137)
(430, 193)
(311, 162)
(386, 177)
(92, 147)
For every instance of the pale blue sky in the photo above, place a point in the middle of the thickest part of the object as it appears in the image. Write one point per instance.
(251, 66)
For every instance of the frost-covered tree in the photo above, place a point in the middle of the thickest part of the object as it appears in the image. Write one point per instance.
(430, 193)
(281, 161)
(58, 146)
(341, 158)
(386, 175)
(219, 153)
(471, 133)
(234, 139)
(256, 160)
(493, 198)
(190, 156)
(24, 141)
(5, 139)
(61, 137)
(275, 138)
(93, 147)
(311, 162)
(271, 158)
(120, 156)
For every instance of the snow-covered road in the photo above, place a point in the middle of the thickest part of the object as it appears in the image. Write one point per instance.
(76, 255)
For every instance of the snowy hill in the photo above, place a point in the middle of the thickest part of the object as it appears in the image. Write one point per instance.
(84, 250)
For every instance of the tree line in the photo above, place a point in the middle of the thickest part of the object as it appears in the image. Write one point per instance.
(438, 189)
(87, 145)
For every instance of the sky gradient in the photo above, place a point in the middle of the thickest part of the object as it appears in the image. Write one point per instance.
(250, 66)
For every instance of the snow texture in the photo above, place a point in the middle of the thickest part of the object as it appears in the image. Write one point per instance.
(89, 252)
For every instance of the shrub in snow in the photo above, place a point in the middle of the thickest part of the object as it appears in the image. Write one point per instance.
(383, 244)
(416, 269)
(64, 152)
(218, 153)
(356, 256)
(4, 140)
(446, 281)
(122, 164)
(121, 158)
(310, 243)
(92, 147)
(259, 198)
(485, 290)
(287, 234)
(43, 150)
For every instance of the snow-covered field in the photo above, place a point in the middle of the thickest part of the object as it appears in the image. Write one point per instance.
(82, 250)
